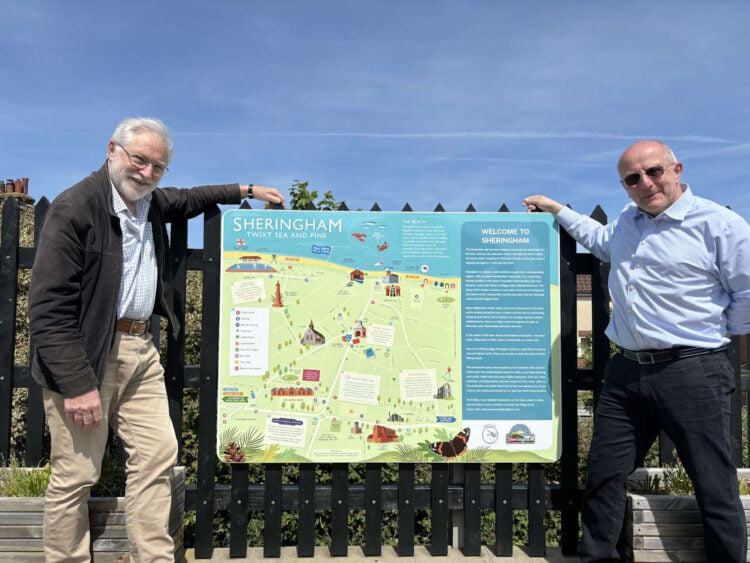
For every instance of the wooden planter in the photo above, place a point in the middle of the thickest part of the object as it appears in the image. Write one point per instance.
(21, 525)
(666, 527)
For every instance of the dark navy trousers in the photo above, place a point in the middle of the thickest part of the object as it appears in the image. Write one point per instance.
(689, 400)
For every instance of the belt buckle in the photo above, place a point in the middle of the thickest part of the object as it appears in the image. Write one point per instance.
(647, 355)
(133, 331)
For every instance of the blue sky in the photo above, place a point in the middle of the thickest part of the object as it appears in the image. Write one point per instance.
(385, 101)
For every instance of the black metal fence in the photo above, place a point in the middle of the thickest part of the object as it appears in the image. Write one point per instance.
(455, 496)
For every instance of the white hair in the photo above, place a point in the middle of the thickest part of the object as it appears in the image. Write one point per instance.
(131, 126)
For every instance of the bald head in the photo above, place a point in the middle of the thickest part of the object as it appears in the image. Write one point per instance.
(651, 146)
(650, 173)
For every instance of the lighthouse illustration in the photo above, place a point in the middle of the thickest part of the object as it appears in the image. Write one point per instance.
(277, 300)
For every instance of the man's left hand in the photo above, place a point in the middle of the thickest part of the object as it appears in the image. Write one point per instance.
(264, 193)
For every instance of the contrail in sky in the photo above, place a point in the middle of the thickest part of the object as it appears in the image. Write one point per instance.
(464, 135)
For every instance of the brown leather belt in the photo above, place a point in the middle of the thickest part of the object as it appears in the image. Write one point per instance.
(644, 357)
(130, 326)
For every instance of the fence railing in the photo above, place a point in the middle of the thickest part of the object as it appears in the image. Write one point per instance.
(455, 497)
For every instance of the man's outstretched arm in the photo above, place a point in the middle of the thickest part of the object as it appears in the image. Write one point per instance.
(542, 203)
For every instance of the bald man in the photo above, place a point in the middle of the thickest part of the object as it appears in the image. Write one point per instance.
(680, 286)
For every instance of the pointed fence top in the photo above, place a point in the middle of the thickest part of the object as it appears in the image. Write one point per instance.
(599, 215)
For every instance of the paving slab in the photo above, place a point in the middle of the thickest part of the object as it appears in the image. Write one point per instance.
(389, 555)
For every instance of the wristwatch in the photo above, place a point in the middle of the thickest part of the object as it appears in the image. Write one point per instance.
(250, 191)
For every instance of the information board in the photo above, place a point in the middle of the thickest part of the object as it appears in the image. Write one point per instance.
(389, 337)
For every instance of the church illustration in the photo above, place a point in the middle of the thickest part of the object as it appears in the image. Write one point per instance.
(312, 336)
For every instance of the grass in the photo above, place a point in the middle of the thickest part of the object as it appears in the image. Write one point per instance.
(674, 480)
(18, 481)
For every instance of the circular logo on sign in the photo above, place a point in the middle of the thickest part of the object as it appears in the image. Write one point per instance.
(489, 434)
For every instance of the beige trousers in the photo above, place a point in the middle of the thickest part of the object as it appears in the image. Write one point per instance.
(134, 404)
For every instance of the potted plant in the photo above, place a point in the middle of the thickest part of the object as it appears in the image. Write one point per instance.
(662, 521)
(22, 510)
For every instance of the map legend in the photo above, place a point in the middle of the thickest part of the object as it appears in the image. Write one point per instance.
(249, 353)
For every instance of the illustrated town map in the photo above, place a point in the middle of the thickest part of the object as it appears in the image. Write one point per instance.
(388, 337)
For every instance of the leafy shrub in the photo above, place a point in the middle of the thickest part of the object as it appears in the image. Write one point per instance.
(651, 485)
(677, 481)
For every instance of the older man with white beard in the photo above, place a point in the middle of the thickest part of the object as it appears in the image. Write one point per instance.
(101, 270)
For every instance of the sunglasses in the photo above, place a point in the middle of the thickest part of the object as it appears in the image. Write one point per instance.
(653, 172)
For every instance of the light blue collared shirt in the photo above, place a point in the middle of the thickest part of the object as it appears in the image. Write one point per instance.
(681, 278)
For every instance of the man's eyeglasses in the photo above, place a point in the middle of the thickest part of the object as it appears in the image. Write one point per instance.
(654, 172)
(141, 162)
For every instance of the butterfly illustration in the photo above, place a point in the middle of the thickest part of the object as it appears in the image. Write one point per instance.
(452, 448)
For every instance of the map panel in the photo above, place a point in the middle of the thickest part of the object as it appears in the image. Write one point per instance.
(388, 337)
